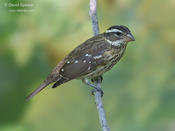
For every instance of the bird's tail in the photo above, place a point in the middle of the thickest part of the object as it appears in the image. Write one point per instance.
(48, 81)
(41, 87)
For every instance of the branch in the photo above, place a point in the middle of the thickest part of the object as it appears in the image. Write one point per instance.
(93, 15)
(98, 94)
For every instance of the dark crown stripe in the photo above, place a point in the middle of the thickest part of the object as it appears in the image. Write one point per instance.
(121, 28)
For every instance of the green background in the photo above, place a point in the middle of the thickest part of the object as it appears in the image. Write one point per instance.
(139, 90)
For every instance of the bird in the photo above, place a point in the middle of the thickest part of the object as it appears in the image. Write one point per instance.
(91, 59)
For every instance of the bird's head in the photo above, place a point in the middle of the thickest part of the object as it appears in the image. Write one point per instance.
(118, 35)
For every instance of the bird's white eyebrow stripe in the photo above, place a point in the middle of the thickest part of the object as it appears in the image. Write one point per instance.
(113, 30)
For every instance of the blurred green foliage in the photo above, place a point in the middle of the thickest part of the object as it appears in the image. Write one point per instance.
(139, 91)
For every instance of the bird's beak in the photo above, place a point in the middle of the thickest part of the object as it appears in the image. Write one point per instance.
(130, 37)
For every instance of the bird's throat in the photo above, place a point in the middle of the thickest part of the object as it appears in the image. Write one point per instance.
(116, 43)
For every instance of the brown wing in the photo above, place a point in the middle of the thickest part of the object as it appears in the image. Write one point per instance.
(82, 60)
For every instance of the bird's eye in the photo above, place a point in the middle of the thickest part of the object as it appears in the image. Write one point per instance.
(118, 33)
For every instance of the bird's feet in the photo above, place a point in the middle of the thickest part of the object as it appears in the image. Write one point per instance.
(97, 79)
(99, 90)
(96, 88)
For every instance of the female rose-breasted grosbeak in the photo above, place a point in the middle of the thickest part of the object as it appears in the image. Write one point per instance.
(90, 59)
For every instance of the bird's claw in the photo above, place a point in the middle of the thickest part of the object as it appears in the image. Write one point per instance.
(97, 79)
(97, 90)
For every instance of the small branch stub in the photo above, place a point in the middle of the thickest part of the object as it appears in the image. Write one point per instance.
(98, 99)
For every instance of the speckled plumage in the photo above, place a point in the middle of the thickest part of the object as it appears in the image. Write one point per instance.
(92, 58)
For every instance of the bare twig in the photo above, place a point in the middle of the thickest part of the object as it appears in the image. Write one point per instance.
(93, 15)
(98, 100)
